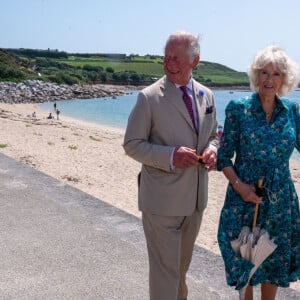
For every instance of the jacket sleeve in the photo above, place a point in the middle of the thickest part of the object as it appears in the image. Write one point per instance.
(137, 143)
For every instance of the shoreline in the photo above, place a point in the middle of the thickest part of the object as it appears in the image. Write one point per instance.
(37, 91)
(90, 157)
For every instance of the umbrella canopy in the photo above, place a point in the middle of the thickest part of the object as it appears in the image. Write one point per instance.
(255, 245)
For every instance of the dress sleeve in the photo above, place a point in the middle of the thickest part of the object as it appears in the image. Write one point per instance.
(297, 122)
(230, 137)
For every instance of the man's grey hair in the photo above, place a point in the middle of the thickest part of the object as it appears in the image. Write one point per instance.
(191, 40)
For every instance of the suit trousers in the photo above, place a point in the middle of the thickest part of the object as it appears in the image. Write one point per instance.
(170, 243)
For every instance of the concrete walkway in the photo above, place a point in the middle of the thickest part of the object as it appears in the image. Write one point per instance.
(59, 243)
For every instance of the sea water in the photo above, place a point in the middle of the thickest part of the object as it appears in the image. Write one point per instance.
(114, 112)
(107, 111)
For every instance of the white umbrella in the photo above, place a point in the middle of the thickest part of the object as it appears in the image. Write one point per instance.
(253, 246)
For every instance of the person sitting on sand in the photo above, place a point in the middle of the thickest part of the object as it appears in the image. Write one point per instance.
(50, 116)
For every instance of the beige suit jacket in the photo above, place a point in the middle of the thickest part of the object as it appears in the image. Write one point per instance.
(159, 122)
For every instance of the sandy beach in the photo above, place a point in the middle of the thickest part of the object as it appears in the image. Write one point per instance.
(91, 158)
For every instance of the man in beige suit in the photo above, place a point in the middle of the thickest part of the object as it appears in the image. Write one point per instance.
(167, 141)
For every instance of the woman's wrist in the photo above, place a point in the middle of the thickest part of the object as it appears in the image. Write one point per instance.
(235, 182)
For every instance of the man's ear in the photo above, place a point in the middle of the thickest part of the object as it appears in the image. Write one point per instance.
(195, 61)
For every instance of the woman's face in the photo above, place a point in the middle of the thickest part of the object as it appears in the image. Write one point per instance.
(270, 80)
(177, 65)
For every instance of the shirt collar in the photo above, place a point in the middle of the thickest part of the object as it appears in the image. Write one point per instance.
(189, 85)
(257, 104)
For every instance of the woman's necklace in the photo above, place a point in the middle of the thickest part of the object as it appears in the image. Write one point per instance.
(268, 105)
(269, 114)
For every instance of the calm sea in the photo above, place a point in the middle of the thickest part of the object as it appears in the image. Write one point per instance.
(115, 112)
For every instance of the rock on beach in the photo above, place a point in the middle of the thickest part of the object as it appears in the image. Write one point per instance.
(36, 91)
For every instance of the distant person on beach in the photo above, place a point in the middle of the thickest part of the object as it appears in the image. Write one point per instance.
(57, 114)
(33, 115)
(50, 116)
(261, 132)
(167, 136)
(54, 105)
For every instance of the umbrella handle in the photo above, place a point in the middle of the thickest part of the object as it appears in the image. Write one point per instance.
(260, 182)
(255, 216)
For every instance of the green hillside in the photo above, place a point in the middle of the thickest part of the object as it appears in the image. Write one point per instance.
(62, 67)
(13, 67)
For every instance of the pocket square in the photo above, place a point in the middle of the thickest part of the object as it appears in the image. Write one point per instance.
(209, 110)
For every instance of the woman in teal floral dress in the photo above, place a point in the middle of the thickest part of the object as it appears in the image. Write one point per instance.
(260, 134)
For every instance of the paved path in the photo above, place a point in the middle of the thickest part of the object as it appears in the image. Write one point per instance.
(59, 243)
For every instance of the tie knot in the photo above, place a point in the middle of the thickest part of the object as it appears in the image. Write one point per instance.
(183, 88)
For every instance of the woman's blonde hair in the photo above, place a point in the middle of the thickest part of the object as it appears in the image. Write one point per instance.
(278, 58)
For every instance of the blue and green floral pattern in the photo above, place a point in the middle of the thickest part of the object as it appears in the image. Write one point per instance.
(257, 149)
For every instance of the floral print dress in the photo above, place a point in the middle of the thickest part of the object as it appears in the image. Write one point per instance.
(257, 149)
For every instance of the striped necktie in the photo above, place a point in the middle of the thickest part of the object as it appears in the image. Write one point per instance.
(188, 103)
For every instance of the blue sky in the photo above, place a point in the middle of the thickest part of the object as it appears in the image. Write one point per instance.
(230, 31)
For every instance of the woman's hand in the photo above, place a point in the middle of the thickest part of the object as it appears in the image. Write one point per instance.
(247, 192)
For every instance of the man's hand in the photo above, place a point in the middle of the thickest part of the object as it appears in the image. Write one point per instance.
(185, 157)
(209, 158)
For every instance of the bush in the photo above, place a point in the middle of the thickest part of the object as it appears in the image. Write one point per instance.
(61, 78)
(110, 70)
(103, 77)
(10, 72)
(135, 77)
(92, 68)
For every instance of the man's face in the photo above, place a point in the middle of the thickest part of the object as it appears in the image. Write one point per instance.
(177, 65)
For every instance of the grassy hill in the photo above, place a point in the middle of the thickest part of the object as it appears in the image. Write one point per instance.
(13, 67)
(62, 67)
